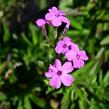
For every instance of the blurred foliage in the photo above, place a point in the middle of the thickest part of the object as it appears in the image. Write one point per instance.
(25, 55)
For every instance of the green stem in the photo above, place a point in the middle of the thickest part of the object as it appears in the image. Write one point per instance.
(46, 36)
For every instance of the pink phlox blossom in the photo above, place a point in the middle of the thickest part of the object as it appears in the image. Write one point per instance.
(77, 57)
(55, 17)
(65, 45)
(56, 11)
(59, 73)
(40, 22)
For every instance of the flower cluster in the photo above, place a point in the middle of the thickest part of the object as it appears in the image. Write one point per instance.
(71, 52)
(74, 58)
(54, 17)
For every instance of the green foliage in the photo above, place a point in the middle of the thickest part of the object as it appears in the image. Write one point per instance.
(25, 56)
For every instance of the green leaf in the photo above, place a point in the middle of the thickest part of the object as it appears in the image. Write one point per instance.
(93, 104)
(105, 95)
(85, 69)
(27, 103)
(100, 77)
(95, 67)
(49, 89)
(42, 4)
(65, 100)
(38, 101)
(20, 105)
(1, 13)
(26, 39)
(14, 36)
(33, 34)
(105, 41)
(106, 79)
(6, 35)
(13, 77)
(74, 33)
(3, 66)
(76, 24)
(64, 5)
(2, 96)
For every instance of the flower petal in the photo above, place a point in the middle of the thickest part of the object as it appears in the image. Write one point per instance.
(65, 50)
(58, 64)
(67, 79)
(50, 74)
(81, 63)
(49, 16)
(53, 10)
(53, 68)
(78, 63)
(65, 20)
(40, 22)
(55, 82)
(70, 55)
(59, 47)
(67, 67)
(83, 55)
(66, 40)
(67, 25)
(56, 22)
(74, 47)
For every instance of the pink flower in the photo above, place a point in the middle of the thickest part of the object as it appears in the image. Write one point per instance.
(55, 17)
(40, 22)
(56, 11)
(78, 57)
(65, 45)
(60, 74)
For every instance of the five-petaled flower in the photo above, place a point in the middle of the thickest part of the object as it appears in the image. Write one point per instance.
(77, 57)
(65, 45)
(60, 74)
(55, 17)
